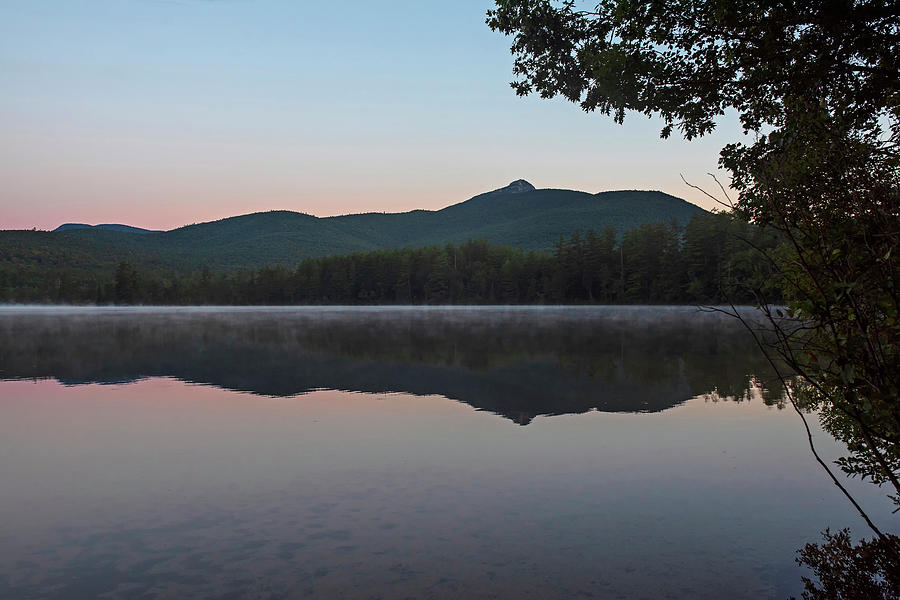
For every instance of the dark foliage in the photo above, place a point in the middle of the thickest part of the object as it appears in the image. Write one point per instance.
(845, 571)
(664, 263)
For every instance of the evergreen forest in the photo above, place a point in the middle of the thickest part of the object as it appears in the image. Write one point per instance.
(715, 258)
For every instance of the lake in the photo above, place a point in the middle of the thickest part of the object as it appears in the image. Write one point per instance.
(592, 452)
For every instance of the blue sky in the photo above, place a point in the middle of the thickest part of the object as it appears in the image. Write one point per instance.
(160, 113)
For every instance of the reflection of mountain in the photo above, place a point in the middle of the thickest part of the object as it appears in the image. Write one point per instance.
(517, 363)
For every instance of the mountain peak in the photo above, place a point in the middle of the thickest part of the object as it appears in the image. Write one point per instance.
(518, 186)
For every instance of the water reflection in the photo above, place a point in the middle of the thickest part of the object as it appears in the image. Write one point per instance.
(235, 488)
(517, 363)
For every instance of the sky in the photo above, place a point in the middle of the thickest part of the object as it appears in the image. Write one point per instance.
(161, 113)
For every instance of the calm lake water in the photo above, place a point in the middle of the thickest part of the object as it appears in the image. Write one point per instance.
(400, 453)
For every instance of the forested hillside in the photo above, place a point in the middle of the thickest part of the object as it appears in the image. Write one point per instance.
(708, 261)
(517, 215)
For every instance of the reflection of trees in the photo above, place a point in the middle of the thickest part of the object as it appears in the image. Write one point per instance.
(864, 571)
(512, 362)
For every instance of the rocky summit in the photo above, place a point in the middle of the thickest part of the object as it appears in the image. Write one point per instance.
(518, 186)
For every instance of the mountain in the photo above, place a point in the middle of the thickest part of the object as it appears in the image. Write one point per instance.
(516, 215)
(107, 226)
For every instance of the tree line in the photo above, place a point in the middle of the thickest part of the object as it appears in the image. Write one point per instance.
(710, 260)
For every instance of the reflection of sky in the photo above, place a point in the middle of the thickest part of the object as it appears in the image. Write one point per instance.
(164, 483)
(165, 112)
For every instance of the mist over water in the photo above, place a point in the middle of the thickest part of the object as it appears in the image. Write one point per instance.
(518, 362)
(399, 452)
